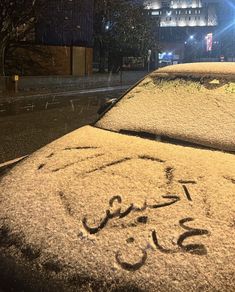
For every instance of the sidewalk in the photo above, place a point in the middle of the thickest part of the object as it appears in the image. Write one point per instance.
(17, 104)
(29, 86)
(32, 95)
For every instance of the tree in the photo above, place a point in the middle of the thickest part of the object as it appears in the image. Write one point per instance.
(17, 19)
(122, 28)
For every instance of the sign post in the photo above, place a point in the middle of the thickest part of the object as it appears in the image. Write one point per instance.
(148, 59)
(15, 79)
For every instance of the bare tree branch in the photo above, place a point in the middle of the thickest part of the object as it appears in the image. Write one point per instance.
(17, 19)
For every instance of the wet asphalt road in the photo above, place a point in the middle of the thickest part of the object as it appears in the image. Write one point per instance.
(28, 124)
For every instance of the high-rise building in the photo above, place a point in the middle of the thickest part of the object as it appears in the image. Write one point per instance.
(182, 13)
(192, 30)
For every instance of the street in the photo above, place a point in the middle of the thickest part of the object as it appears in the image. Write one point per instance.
(27, 125)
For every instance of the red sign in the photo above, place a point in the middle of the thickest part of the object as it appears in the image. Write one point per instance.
(209, 42)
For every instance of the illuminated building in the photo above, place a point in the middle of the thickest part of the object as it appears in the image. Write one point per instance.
(181, 13)
(184, 24)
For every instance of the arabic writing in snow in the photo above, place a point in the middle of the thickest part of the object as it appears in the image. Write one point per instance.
(167, 200)
(197, 249)
(170, 199)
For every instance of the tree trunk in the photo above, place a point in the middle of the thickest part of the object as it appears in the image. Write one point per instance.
(115, 62)
(2, 59)
(102, 59)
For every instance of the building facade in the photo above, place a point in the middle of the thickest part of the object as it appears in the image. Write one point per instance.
(182, 13)
(194, 30)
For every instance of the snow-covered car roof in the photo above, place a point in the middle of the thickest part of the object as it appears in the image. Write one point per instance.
(189, 102)
(214, 68)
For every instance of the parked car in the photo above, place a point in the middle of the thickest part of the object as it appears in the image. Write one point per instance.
(142, 200)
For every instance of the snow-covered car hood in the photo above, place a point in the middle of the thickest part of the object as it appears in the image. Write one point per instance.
(102, 210)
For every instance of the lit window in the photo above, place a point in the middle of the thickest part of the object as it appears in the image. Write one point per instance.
(155, 12)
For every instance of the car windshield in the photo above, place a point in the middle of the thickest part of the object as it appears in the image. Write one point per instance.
(198, 110)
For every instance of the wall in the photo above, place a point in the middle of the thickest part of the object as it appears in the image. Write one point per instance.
(39, 60)
(79, 61)
(51, 60)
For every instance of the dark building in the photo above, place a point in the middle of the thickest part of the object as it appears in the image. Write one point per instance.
(66, 28)
(66, 22)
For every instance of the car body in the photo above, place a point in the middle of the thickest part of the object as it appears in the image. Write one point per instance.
(142, 200)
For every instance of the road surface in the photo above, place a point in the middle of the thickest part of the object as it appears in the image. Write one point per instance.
(27, 124)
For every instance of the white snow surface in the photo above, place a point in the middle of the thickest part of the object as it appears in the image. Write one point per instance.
(89, 172)
(196, 107)
(224, 68)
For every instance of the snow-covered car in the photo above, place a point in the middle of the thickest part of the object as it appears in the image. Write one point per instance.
(142, 200)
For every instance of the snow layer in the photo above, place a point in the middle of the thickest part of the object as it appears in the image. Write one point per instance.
(199, 110)
(99, 211)
(227, 68)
